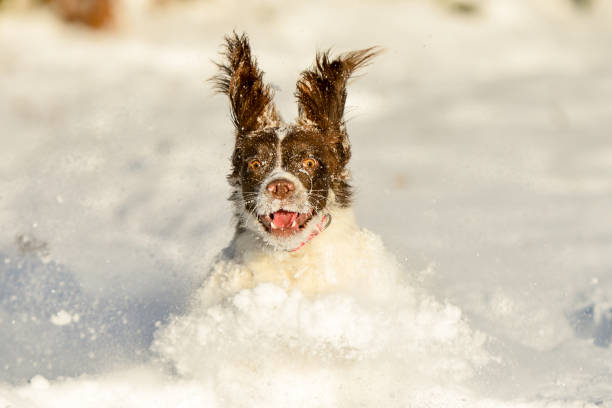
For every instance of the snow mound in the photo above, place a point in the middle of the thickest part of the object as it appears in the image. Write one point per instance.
(284, 348)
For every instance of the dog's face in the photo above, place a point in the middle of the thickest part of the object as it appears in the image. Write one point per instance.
(288, 177)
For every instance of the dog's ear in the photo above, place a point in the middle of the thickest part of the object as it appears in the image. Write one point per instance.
(241, 80)
(321, 90)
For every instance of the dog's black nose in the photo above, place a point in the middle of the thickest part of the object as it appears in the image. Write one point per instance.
(280, 188)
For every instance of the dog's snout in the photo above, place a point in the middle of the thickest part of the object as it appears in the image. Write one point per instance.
(280, 188)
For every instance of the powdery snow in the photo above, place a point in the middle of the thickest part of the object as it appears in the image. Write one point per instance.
(482, 158)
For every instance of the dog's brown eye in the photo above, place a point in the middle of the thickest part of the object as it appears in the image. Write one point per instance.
(255, 165)
(310, 163)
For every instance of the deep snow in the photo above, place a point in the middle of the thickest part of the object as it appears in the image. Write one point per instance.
(482, 158)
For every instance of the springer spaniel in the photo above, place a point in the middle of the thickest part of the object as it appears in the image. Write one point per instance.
(291, 192)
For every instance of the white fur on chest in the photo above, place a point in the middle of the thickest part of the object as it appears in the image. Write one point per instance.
(342, 257)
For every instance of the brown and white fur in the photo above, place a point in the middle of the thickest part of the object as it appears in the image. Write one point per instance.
(295, 227)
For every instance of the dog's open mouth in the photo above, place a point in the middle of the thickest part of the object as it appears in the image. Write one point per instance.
(284, 223)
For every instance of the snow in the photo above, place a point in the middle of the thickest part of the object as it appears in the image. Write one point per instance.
(63, 318)
(481, 157)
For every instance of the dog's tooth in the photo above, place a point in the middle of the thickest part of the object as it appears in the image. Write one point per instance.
(293, 224)
(274, 226)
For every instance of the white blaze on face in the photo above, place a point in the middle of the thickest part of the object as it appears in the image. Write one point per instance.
(281, 133)
(297, 202)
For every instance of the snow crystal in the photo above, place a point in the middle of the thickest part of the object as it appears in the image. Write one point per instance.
(39, 382)
(62, 318)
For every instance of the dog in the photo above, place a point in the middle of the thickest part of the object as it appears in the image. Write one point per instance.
(291, 185)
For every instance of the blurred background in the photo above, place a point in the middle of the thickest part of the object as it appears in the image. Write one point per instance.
(482, 157)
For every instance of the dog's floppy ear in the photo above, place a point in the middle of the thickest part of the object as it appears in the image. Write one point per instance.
(321, 90)
(242, 81)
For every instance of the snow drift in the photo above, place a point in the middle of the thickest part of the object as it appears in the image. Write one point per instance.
(490, 130)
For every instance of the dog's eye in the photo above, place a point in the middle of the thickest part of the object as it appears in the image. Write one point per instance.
(310, 163)
(255, 165)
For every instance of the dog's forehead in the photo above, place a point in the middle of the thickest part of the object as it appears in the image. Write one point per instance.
(283, 141)
(297, 139)
(259, 142)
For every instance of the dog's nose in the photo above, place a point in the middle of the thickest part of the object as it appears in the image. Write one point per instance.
(280, 188)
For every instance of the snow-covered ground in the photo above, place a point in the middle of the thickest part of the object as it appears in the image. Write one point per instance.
(482, 158)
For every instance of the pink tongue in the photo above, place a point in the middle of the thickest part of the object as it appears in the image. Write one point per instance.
(284, 219)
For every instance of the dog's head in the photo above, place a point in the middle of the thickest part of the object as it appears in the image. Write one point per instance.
(288, 177)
